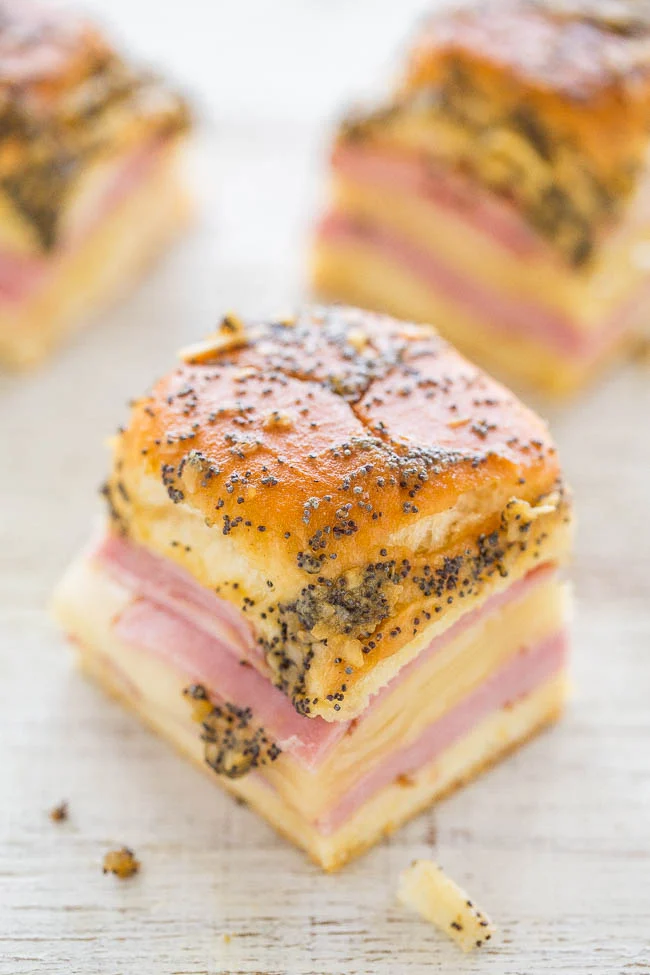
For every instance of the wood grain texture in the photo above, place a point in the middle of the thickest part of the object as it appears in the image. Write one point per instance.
(555, 843)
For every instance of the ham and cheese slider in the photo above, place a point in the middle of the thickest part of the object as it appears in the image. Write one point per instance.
(330, 571)
(504, 193)
(90, 191)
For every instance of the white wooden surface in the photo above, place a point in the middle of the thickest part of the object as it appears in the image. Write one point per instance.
(555, 843)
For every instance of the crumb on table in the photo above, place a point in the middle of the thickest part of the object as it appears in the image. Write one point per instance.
(59, 813)
(122, 863)
(424, 888)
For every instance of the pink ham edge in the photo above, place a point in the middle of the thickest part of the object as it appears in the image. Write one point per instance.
(498, 221)
(205, 660)
(206, 638)
(162, 581)
(450, 191)
(520, 676)
(19, 277)
(508, 316)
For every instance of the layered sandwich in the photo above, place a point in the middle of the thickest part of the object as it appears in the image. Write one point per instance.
(504, 192)
(90, 189)
(330, 571)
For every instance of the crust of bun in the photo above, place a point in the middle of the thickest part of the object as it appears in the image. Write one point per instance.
(348, 481)
(581, 76)
(581, 50)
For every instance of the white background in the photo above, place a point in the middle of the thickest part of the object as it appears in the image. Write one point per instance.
(555, 843)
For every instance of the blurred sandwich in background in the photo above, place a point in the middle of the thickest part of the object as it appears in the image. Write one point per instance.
(90, 189)
(504, 193)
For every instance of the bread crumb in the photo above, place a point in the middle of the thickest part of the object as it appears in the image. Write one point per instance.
(122, 863)
(59, 813)
(200, 701)
(230, 335)
(246, 372)
(358, 339)
(231, 324)
(277, 420)
(405, 781)
(518, 515)
(424, 888)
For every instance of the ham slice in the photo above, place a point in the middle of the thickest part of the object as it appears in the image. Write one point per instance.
(163, 582)
(497, 218)
(507, 315)
(20, 276)
(202, 658)
(521, 675)
(205, 639)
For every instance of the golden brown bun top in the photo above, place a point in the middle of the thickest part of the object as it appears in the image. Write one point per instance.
(577, 48)
(321, 436)
(66, 99)
(546, 104)
(577, 80)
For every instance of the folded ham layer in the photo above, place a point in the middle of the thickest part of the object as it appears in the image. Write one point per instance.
(532, 667)
(503, 313)
(205, 638)
(498, 219)
(528, 670)
(163, 581)
(22, 275)
(200, 657)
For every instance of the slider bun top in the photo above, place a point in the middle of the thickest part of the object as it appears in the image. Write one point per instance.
(576, 70)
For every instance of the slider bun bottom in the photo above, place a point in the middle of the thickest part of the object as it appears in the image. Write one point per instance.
(355, 273)
(492, 739)
(101, 270)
